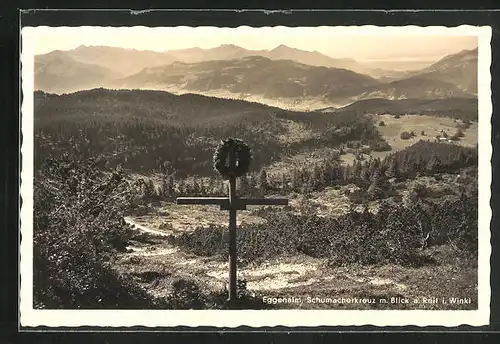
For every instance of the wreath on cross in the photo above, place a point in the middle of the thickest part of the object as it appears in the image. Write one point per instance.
(242, 156)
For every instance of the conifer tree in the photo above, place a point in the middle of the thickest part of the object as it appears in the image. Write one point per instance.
(149, 189)
(244, 186)
(195, 187)
(263, 182)
(462, 158)
(168, 187)
(434, 164)
(284, 182)
(376, 175)
(417, 162)
(344, 174)
(356, 169)
(405, 161)
(365, 173)
(315, 178)
(372, 166)
(252, 183)
(335, 174)
(375, 181)
(393, 169)
(181, 187)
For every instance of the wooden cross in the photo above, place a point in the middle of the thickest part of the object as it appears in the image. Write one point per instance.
(232, 203)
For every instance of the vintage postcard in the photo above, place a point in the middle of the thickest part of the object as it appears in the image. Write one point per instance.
(255, 176)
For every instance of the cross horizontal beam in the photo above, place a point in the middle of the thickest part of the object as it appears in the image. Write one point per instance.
(239, 204)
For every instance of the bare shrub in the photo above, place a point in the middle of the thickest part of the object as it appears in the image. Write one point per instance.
(405, 135)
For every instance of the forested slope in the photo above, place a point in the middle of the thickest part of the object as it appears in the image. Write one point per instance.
(153, 130)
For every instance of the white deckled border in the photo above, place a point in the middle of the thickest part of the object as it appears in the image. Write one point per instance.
(256, 318)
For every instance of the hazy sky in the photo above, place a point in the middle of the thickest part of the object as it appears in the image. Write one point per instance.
(361, 43)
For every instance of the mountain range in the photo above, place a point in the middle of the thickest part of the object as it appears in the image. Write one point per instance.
(282, 72)
(253, 75)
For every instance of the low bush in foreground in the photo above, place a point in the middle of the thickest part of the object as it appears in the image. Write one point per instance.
(78, 229)
(396, 234)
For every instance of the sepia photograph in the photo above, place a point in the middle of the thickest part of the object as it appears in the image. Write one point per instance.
(255, 176)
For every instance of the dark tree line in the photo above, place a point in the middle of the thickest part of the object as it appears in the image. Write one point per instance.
(372, 176)
(142, 145)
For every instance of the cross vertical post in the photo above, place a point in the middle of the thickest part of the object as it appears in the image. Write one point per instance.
(232, 228)
(232, 163)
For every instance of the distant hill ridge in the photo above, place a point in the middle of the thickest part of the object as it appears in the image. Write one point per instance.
(253, 75)
(196, 101)
(165, 107)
